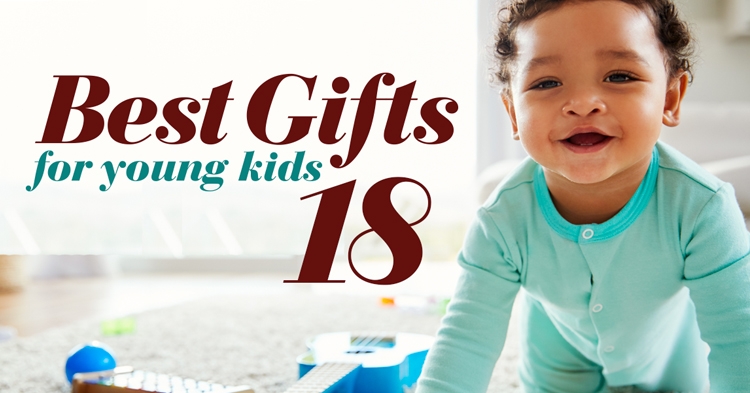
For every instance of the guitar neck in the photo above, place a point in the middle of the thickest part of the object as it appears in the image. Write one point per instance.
(327, 378)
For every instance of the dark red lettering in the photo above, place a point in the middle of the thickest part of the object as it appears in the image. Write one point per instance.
(363, 118)
(118, 119)
(181, 123)
(260, 105)
(394, 126)
(329, 124)
(62, 104)
(435, 120)
(217, 102)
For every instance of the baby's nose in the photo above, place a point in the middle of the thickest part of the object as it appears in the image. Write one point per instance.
(583, 103)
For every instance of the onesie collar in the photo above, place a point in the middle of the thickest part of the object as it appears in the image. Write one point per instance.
(606, 230)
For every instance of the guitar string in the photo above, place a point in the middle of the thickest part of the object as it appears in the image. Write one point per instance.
(368, 339)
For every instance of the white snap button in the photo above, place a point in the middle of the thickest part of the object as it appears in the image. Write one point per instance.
(588, 233)
(609, 349)
(597, 308)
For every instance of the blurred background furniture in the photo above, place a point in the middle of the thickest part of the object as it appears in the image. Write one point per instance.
(13, 275)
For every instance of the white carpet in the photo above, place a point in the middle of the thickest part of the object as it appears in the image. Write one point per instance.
(247, 339)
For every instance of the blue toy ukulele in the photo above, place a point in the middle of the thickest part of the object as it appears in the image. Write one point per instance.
(367, 363)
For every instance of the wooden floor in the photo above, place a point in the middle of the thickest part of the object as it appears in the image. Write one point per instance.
(45, 304)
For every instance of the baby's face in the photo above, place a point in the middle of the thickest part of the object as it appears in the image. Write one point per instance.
(589, 92)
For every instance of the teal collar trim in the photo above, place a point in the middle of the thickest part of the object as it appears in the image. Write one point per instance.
(606, 230)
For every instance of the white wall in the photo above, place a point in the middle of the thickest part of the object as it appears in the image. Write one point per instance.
(722, 72)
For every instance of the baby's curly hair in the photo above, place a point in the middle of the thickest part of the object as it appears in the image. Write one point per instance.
(673, 33)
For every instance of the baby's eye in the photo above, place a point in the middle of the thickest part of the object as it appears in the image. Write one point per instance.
(619, 78)
(546, 84)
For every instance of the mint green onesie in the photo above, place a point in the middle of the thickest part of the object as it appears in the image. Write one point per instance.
(629, 302)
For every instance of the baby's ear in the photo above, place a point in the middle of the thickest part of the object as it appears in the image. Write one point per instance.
(508, 103)
(675, 93)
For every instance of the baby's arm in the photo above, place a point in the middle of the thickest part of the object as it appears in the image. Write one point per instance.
(717, 271)
(473, 331)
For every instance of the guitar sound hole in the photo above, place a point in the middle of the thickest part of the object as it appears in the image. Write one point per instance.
(360, 350)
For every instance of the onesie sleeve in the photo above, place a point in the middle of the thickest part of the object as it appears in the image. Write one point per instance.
(717, 272)
(472, 333)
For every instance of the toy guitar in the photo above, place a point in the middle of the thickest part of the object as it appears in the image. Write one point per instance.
(367, 363)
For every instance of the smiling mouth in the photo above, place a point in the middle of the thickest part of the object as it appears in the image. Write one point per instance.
(587, 139)
(587, 142)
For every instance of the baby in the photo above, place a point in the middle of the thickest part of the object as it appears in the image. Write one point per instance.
(632, 257)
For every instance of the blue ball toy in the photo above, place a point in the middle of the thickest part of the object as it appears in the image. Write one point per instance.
(90, 357)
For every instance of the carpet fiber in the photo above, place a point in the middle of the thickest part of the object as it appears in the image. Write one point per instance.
(249, 339)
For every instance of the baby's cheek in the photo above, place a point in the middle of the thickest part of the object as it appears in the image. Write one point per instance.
(529, 140)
